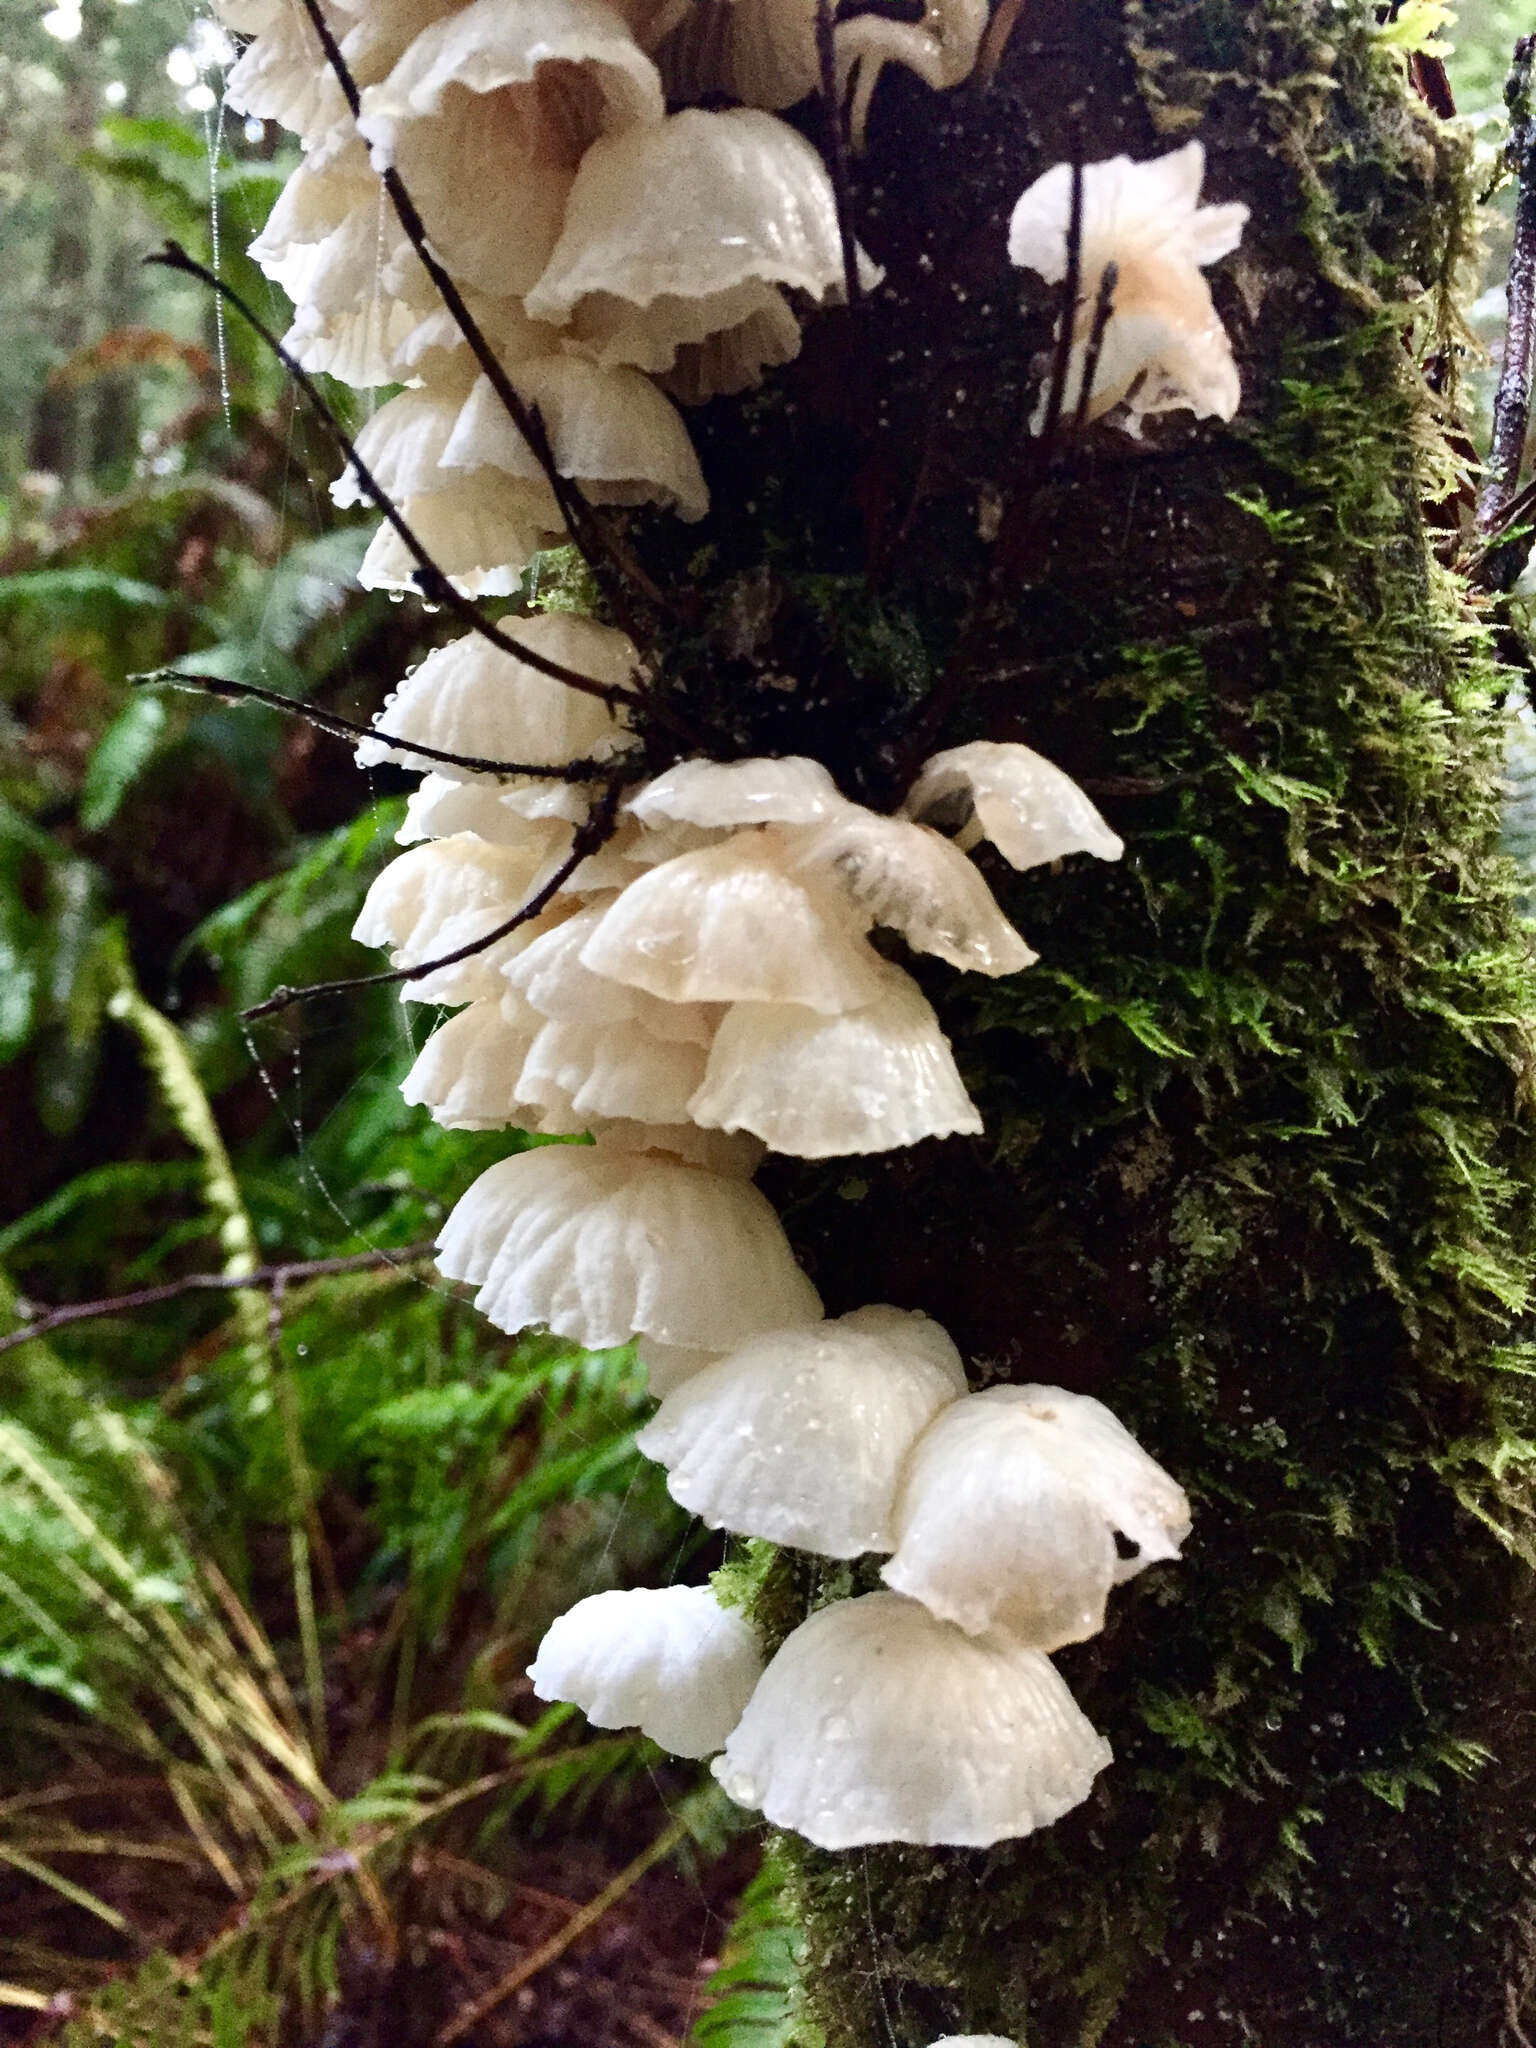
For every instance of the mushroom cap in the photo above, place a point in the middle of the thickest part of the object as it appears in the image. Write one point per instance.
(487, 47)
(816, 1087)
(471, 698)
(1008, 1508)
(403, 444)
(976, 2041)
(671, 1662)
(442, 895)
(549, 973)
(762, 52)
(601, 1246)
(480, 531)
(1164, 347)
(731, 924)
(440, 806)
(913, 879)
(611, 430)
(1026, 806)
(691, 207)
(605, 1069)
(787, 789)
(800, 1436)
(467, 1072)
(877, 1723)
(1134, 214)
(282, 77)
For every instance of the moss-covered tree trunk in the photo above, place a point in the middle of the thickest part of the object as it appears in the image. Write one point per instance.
(1258, 1165)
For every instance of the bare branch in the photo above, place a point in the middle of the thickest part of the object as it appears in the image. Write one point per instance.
(1512, 402)
(589, 836)
(275, 1279)
(1061, 365)
(588, 770)
(434, 584)
(1103, 307)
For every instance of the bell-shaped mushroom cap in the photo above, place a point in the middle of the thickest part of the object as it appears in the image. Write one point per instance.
(815, 1087)
(440, 806)
(611, 430)
(730, 924)
(671, 1662)
(611, 1070)
(467, 1072)
(1164, 347)
(282, 76)
(603, 1246)
(764, 333)
(1008, 1510)
(446, 894)
(466, 110)
(402, 445)
(801, 1435)
(1024, 804)
(769, 790)
(762, 52)
(470, 698)
(478, 530)
(669, 225)
(551, 976)
(913, 879)
(877, 1723)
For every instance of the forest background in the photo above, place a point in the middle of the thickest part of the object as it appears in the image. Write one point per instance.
(272, 1561)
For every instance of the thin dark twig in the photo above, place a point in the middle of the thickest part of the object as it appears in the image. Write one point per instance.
(837, 148)
(1061, 365)
(596, 830)
(275, 1279)
(1512, 403)
(434, 584)
(587, 770)
(1103, 307)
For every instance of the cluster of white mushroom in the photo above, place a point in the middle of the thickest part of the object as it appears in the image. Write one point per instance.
(700, 987)
(930, 1713)
(618, 256)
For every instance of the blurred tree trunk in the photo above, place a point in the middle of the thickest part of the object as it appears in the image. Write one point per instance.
(1258, 1165)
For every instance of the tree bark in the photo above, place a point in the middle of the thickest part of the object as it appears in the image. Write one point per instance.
(1258, 1167)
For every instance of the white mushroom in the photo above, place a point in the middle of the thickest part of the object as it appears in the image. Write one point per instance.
(447, 894)
(601, 1246)
(877, 1723)
(551, 976)
(1008, 1512)
(912, 879)
(503, 100)
(682, 230)
(671, 1662)
(762, 52)
(730, 924)
(478, 534)
(1164, 348)
(1022, 803)
(721, 795)
(467, 1072)
(800, 1435)
(615, 1070)
(609, 429)
(471, 698)
(816, 1086)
